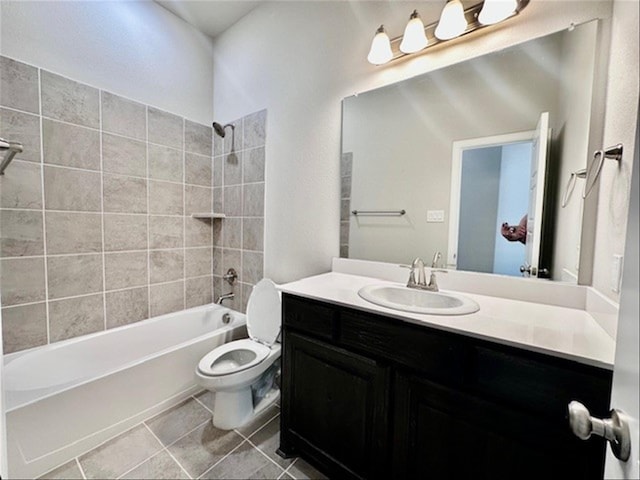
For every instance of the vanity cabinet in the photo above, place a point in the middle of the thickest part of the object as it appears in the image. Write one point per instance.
(367, 396)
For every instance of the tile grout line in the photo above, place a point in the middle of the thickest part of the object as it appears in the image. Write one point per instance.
(265, 455)
(164, 449)
(224, 457)
(44, 210)
(184, 214)
(201, 403)
(148, 215)
(104, 261)
(84, 475)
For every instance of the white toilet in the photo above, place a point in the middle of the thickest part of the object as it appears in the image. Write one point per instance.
(241, 373)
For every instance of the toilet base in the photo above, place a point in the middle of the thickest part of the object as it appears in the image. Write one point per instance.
(235, 409)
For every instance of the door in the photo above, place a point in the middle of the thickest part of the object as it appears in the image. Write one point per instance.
(624, 394)
(536, 196)
(336, 407)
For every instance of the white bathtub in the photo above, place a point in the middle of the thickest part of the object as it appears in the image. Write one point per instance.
(66, 398)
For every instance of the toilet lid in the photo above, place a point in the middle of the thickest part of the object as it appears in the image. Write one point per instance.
(264, 315)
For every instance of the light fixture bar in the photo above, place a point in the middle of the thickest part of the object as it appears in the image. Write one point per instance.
(471, 14)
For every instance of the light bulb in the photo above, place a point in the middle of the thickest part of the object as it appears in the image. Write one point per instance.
(380, 52)
(452, 23)
(494, 11)
(414, 38)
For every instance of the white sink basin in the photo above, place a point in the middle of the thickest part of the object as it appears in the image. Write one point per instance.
(418, 301)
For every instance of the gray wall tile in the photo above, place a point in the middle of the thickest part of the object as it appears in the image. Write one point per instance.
(255, 127)
(166, 232)
(24, 327)
(125, 232)
(218, 202)
(165, 198)
(21, 186)
(232, 232)
(21, 233)
(127, 306)
(22, 280)
(198, 169)
(123, 116)
(233, 201)
(344, 210)
(19, 85)
(198, 138)
(67, 189)
(253, 164)
(74, 275)
(166, 298)
(22, 128)
(198, 232)
(166, 265)
(344, 233)
(253, 234)
(252, 267)
(346, 164)
(218, 172)
(246, 294)
(198, 199)
(199, 291)
(345, 187)
(165, 163)
(198, 261)
(124, 270)
(124, 156)
(75, 316)
(233, 168)
(253, 201)
(233, 139)
(70, 101)
(124, 194)
(165, 128)
(73, 232)
(70, 145)
(216, 261)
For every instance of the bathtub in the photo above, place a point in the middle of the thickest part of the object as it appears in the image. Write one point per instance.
(66, 398)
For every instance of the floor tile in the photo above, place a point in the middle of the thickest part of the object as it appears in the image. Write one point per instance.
(207, 398)
(267, 439)
(301, 470)
(115, 457)
(172, 424)
(258, 422)
(245, 462)
(204, 447)
(69, 470)
(158, 466)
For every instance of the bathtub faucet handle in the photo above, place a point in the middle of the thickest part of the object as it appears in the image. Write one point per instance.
(231, 276)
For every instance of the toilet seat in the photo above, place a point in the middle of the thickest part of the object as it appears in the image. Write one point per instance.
(264, 313)
(211, 364)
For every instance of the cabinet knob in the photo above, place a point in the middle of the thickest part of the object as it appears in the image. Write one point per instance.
(615, 429)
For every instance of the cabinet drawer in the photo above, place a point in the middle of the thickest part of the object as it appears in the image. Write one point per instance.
(308, 316)
(436, 354)
(544, 386)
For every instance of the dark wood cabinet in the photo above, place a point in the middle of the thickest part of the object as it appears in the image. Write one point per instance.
(366, 396)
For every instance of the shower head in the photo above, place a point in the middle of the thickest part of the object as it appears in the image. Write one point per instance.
(220, 129)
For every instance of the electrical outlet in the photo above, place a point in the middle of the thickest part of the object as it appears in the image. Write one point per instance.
(435, 216)
(616, 273)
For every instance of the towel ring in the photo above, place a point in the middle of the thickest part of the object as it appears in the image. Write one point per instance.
(571, 185)
(613, 153)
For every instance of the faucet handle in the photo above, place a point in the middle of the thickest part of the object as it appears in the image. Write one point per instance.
(436, 256)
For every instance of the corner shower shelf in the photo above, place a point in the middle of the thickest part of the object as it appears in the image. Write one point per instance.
(208, 216)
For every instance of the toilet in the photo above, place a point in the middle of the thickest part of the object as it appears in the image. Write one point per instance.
(242, 373)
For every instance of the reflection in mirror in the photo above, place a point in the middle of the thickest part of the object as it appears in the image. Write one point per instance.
(464, 150)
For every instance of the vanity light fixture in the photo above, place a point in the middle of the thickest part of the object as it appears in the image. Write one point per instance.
(414, 38)
(454, 22)
(380, 52)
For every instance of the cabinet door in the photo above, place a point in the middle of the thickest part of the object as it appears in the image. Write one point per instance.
(441, 433)
(335, 407)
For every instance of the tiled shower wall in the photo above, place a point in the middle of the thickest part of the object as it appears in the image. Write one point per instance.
(95, 220)
(346, 168)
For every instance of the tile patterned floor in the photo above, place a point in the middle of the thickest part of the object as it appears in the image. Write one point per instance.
(181, 442)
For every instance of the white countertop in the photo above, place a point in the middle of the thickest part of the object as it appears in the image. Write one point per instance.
(564, 332)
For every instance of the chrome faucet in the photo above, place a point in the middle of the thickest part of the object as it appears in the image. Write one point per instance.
(421, 282)
(226, 296)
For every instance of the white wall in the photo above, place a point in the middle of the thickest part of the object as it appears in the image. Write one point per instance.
(298, 60)
(135, 49)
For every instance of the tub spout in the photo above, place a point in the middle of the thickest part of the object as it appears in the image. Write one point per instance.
(225, 297)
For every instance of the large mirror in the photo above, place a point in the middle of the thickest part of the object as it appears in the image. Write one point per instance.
(471, 161)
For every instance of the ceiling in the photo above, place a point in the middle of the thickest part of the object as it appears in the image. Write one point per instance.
(211, 17)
